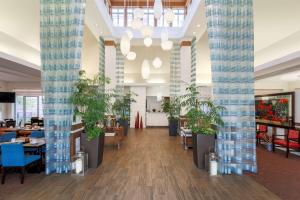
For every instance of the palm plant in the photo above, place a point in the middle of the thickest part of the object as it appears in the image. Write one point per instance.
(171, 107)
(121, 105)
(91, 103)
(203, 116)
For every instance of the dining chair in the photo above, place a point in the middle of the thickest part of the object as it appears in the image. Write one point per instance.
(6, 137)
(13, 157)
(37, 134)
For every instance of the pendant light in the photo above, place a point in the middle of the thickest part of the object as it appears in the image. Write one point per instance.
(169, 16)
(157, 63)
(125, 45)
(148, 41)
(131, 55)
(158, 9)
(167, 45)
(145, 70)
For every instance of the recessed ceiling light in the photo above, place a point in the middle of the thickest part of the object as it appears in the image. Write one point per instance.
(194, 33)
(198, 25)
(96, 25)
(101, 32)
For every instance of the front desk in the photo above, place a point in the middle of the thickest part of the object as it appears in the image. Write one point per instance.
(156, 119)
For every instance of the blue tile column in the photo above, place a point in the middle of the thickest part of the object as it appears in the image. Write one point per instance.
(230, 32)
(61, 32)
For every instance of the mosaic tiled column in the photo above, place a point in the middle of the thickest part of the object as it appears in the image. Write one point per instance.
(102, 57)
(175, 71)
(230, 31)
(61, 26)
(119, 71)
(193, 61)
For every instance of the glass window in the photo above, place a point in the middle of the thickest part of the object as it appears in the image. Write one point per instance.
(118, 16)
(129, 16)
(179, 17)
(31, 108)
(27, 107)
(148, 17)
(19, 110)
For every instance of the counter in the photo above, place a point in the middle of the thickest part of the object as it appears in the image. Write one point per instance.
(156, 119)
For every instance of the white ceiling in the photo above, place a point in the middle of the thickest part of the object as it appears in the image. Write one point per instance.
(274, 22)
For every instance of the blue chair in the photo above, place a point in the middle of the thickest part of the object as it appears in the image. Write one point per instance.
(6, 137)
(37, 134)
(13, 157)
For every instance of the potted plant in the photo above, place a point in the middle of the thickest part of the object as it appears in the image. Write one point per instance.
(121, 107)
(171, 106)
(204, 118)
(91, 103)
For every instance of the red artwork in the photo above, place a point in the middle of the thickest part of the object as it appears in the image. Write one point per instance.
(137, 121)
(141, 124)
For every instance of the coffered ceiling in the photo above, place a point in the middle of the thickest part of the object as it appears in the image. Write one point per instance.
(167, 3)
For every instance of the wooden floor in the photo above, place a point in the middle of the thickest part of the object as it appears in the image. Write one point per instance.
(149, 165)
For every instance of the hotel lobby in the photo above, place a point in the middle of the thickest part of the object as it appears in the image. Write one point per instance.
(149, 99)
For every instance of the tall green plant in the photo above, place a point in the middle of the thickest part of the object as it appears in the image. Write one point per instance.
(121, 105)
(203, 116)
(171, 107)
(91, 103)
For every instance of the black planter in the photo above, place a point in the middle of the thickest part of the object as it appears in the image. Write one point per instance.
(201, 145)
(124, 124)
(173, 126)
(94, 148)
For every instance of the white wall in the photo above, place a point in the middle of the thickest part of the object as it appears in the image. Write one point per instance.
(139, 105)
(110, 66)
(90, 53)
(132, 69)
(203, 69)
(155, 90)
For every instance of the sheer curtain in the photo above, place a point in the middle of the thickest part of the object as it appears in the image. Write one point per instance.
(230, 31)
(61, 31)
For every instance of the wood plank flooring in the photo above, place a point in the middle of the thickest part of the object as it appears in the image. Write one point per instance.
(149, 165)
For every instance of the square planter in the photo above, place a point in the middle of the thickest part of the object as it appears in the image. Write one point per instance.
(94, 148)
(201, 145)
(173, 126)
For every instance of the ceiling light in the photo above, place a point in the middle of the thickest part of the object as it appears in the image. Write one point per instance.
(169, 16)
(157, 63)
(164, 35)
(158, 9)
(145, 70)
(125, 45)
(129, 34)
(167, 45)
(138, 13)
(131, 55)
(147, 31)
(96, 25)
(194, 33)
(198, 25)
(136, 24)
(148, 41)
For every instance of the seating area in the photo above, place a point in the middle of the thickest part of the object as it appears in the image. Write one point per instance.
(18, 153)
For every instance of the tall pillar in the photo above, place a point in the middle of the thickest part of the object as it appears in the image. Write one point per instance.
(185, 68)
(297, 107)
(61, 26)
(110, 64)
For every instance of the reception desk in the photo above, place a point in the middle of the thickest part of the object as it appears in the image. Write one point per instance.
(156, 119)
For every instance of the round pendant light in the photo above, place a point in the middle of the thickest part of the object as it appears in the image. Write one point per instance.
(167, 45)
(145, 70)
(147, 31)
(138, 13)
(136, 24)
(131, 55)
(125, 45)
(164, 35)
(169, 16)
(158, 9)
(129, 34)
(157, 63)
(147, 41)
